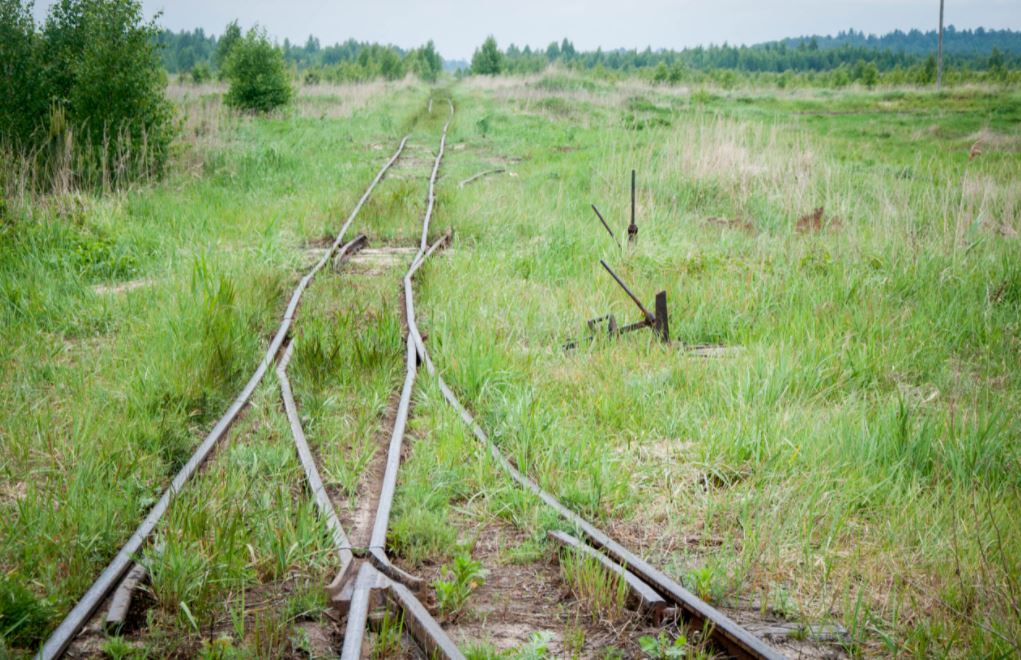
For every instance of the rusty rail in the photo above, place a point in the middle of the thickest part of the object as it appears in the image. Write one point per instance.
(315, 483)
(115, 571)
(427, 633)
(727, 634)
(476, 177)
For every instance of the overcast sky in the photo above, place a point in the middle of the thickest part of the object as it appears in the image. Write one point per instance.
(458, 26)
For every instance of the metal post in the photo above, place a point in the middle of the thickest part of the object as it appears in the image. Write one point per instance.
(632, 229)
(939, 50)
(662, 324)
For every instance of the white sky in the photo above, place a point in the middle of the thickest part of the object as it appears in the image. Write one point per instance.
(458, 26)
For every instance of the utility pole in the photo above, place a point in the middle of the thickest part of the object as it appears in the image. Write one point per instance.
(939, 50)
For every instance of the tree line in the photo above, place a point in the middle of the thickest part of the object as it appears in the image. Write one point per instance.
(973, 50)
(196, 53)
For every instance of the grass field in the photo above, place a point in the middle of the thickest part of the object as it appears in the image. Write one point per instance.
(852, 456)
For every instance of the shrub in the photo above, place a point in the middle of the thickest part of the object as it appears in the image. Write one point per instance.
(201, 73)
(85, 95)
(258, 78)
(101, 62)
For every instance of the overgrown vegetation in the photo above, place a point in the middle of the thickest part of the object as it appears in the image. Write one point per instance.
(83, 101)
(851, 457)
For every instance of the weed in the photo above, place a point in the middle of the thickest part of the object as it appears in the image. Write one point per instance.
(457, 583)
(118, 648)
(602, 593)
(23, 615)
(536, 648)
(662, 647)
(389, 636)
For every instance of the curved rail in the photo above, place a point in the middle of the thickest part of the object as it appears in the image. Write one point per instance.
(315, 482)
(115, 571)
(725, 631)
(428, 633)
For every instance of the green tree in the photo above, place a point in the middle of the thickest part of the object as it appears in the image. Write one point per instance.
(428, 63)
(870, 75)
(102, 70)
(200, 73)
(487, 60)
(21, 103)
(231, 35)
(257, 75)
(390, 64)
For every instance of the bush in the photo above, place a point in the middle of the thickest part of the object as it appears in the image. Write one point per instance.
(257, 76)
(93, 73)
(201, 73)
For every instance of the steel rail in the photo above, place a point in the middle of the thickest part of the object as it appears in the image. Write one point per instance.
(427, 632)
(476, 177)
(115, 571)
(725, 631)
(393, 457)
(315, 483)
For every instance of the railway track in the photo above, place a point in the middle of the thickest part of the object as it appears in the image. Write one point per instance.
(124, 560)
(365, 573)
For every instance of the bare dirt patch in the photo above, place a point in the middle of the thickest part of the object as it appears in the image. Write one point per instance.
(521, 602)
(816, 221)
(731, 223)
(377, 261)
(122, 287)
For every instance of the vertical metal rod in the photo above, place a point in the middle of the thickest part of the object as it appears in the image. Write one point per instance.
(632, 230)
(662, 322)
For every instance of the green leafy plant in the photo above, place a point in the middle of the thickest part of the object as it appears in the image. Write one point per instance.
(661, 647)
(457, 583)
(201, 73)
(536, 648)
(118, 648)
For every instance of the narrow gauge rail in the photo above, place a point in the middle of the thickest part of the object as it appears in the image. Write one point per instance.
(376, 572)
(122, 563)
(724, 631)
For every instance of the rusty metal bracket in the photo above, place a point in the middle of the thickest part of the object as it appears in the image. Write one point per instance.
(649, 318)
(659, 322)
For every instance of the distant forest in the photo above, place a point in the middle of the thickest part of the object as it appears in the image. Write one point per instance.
(913, 51)
(195, 51)
(971, 49)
